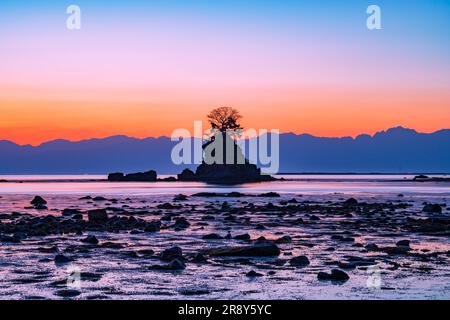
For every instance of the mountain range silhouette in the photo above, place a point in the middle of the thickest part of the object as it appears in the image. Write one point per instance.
(396, 150)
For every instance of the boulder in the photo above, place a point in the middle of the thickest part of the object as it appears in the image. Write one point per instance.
(171, 254)
(38, 201)
(351, 202)
(98, 215)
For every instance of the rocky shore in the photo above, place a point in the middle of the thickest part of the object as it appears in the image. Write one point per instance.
(210, 244)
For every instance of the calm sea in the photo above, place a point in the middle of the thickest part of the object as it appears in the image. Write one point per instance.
(296, 184)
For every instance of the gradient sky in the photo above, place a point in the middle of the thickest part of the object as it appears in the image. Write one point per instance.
(145, 68)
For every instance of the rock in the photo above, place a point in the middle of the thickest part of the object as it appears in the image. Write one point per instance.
(260, 249)
(13, 239)
(99, 198)
(112, 245)
(90, 239)
(212, 236)
(199, 258)
(350, 202)
(206, 194)
(180, 197)
(181, 223)
(187, 175)
(284, 239)
(371, 247)
(98, 215)
(38, 201)
(66, 293)
(336, 275)
(235, 194)
(299, 261)
(152, 226)
(421, 177)
(403, 243)
(230, 173)
(71, 212)
(174, 265)
(269, 195)
(244, 236)
(59, 258)
(171, 254)
(40, 207)
(167, 206)
(432, 208)
(148, 176)
(253, 274)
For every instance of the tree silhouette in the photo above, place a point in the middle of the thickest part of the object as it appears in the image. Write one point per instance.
(225, 119)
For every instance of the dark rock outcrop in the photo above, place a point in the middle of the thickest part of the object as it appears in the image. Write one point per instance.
(187, 175)
(148, 176)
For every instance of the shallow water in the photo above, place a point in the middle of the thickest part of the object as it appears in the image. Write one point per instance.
(26, 273)
(294, 184)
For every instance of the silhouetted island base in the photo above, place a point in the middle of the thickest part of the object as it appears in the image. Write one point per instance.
(214, 173)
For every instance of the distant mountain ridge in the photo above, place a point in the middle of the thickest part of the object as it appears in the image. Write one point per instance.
(394, 150)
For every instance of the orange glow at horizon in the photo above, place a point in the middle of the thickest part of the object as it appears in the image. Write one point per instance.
(36, 119)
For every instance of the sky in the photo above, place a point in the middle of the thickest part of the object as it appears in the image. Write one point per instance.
(146, 68)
